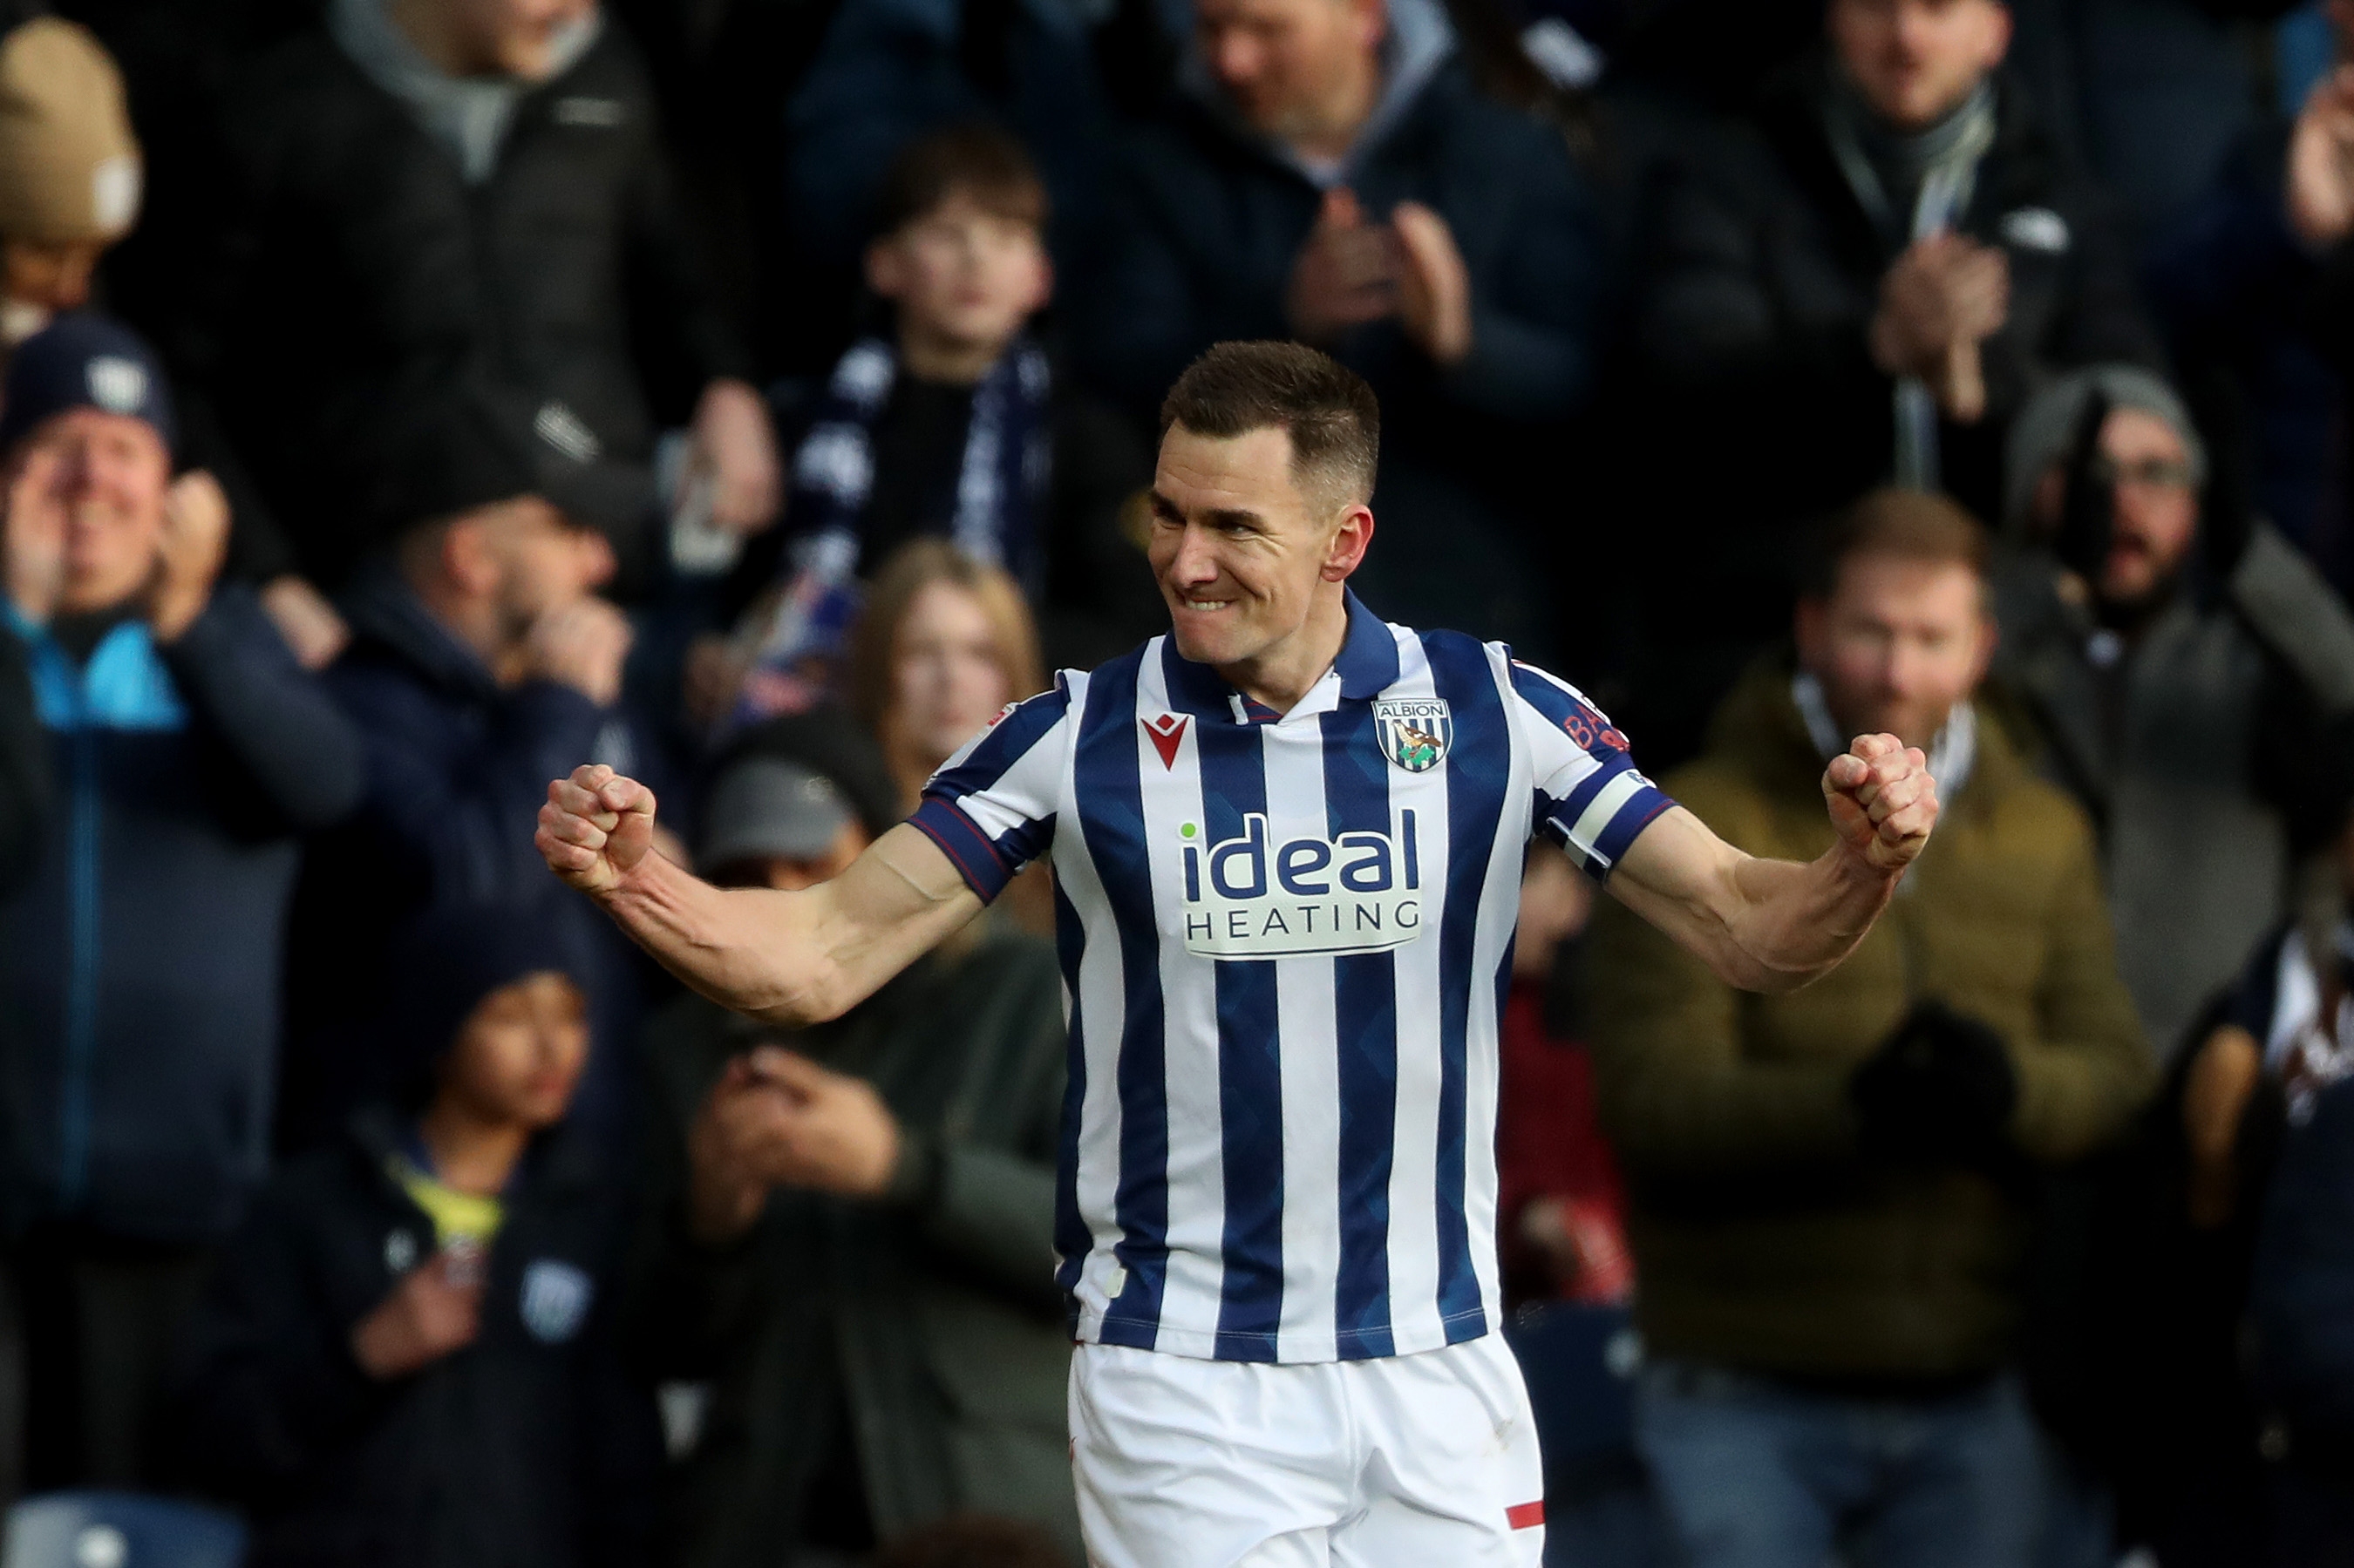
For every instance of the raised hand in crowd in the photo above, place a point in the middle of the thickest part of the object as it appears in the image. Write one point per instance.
(435, 1308)
(582, 645)
(1345, 274)
(35, 536)
(2318, 192)
(734, 450)
(1944, 296)
(776, 1118)
(1433, 286)
(311, 627)
(188, 552)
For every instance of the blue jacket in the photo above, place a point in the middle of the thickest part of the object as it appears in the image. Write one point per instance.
(139, 966)
(1205, 222)
(2302, 1296)
(457, 770)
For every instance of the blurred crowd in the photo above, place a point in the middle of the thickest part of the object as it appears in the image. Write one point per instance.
(407, 401)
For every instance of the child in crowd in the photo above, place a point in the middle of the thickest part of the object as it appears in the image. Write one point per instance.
(953, 424)
(408, 1356)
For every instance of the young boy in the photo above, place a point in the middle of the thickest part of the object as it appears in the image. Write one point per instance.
(950, 424)
(409, 1355)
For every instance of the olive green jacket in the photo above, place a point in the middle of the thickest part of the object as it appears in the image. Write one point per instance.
(1763, 1239)
(933, 1316)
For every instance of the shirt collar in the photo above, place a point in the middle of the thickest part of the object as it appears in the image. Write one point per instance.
(1367, 666)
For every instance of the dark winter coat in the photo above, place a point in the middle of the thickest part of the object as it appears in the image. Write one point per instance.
(1758, 284)
(1205, 223)
(530, 1448)
(457, 770)
(140, 964)
(360, 279)
(2303, 1298)
(934, 1311)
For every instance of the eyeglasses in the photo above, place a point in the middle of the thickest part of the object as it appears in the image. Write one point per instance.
(2143, 473)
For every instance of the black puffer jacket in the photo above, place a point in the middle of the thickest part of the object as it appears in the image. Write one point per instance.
(529, 1448)
(359, 277)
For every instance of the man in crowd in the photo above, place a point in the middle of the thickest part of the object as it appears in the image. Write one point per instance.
(1861, 284)
(865, 1205)
(2190, 677)
(140, 966)
(1287, 841)
(433, 193)
(481, 656)
(1330, 173)
(1827, 1220)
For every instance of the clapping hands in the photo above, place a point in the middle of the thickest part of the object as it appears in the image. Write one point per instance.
(776, 1118)
(1353, 271)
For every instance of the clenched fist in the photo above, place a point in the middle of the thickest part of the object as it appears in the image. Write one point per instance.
(596, 829)
(1881, 801)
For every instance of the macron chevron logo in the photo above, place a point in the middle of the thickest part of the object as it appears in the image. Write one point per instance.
(1168, 733)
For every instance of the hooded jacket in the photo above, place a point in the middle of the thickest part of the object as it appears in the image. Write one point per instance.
(529, 1448)
(1764, 1239)
(140, 963)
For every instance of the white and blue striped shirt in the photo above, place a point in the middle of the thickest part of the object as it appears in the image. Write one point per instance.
(1285, 943)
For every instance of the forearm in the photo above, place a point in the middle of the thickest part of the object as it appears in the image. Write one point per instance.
(749, 949)
(1792, 923)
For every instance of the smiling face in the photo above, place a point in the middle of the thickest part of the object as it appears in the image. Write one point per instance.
(106, 475)
(1244, 554)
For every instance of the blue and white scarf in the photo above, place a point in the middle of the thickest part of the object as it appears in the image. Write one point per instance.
(1000, 496)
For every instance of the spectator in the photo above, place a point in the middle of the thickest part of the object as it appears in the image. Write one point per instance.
(481, 656)
(1561, 1209)
(139, 965)
(891, 72)
(956, 427)
(69, 171)
(1331, 174)
(2190, 677)
(1862, 282)
(1826, 1209)
(410, 1355)
(437, 193)
(862, 1213)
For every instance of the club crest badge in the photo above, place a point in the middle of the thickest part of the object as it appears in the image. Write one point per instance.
(1415, 731)
(556, 1297)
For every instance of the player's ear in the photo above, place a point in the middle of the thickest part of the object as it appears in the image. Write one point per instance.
(1351, 536)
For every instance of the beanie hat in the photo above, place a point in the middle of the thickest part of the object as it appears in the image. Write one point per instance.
(465, 451)
(452, 958)
(83, 361)
(2039, 435)
(70, 167)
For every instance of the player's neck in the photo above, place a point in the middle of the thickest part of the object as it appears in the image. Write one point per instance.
(1281, 675)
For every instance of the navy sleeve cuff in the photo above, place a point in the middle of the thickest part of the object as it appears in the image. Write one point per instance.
(981, 862)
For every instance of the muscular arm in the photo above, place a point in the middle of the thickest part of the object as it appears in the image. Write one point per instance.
(789, 958)
(1772, 925)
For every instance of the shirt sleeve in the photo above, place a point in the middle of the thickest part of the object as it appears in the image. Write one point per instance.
(991, 808)
(1590, 798)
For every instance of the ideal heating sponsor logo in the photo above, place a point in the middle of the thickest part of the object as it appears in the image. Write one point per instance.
(1247, 898)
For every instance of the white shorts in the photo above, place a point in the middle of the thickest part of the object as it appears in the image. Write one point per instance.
(1420, 1461)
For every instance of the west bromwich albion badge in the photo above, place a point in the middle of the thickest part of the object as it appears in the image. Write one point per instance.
(1415, 731)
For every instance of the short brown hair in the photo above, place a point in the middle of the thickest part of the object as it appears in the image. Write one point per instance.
(1332, 416)
(912, 568)
(1910, 525)
(977, 160)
